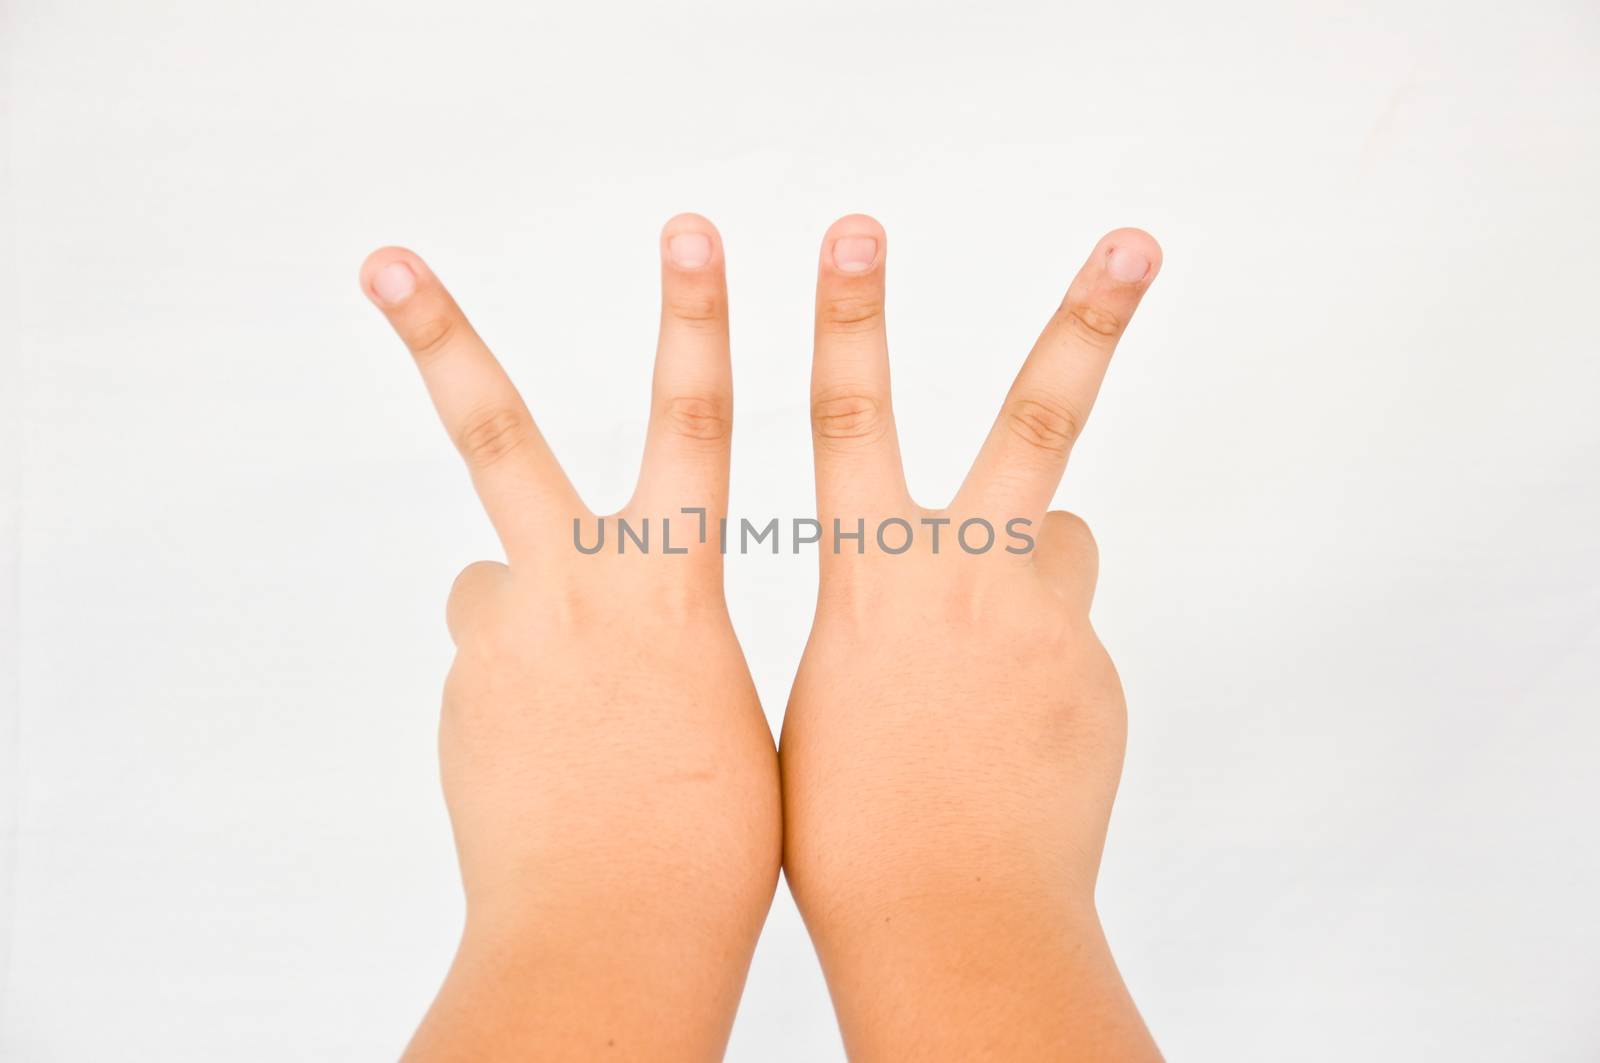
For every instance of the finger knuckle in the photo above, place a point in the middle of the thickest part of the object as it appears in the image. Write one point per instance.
(848, 418)
(431, 335)
(683, 601)
(1052, 629)
(704, 417)
(856, 312)
(702, 311)
(1092, 324)
(490, 435)
(1045, 425)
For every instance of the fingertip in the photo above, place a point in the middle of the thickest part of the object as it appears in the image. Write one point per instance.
(858, 224)
(690, 241)
(688, 221)
(1130, 256)
(390, 275)
(1068, 556)
(473, 588)
(1070, 532)
(854, 244)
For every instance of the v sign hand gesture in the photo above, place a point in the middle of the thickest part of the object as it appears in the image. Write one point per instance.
(955, 734)
(611, 780)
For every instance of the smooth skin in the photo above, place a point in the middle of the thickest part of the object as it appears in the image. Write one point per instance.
(611, 780)
(955, 735)
(952, 744)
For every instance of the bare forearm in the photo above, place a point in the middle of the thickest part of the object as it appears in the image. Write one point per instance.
(947, 979)
(605, 985)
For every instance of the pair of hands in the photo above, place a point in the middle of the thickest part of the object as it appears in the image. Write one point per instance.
(950, 751)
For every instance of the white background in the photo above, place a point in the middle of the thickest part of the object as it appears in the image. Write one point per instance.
(1345, 472)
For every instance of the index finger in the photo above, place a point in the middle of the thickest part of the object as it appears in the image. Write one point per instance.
(1020, 466)
(518, 479)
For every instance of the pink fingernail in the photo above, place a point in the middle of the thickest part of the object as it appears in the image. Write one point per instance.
(689, 250)
(394, 283)
(853, 254)
(1126, 265)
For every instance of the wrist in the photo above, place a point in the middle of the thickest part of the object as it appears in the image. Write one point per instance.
(1012, 977)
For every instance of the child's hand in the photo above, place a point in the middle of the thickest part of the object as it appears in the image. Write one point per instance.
(955, 735)
(610, 777)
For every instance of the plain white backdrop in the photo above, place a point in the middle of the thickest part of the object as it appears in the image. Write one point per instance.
(1345, 473)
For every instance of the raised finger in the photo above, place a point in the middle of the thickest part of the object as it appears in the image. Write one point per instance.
(691, 408)
(853, 435)
(519, 481)
(1020, 465)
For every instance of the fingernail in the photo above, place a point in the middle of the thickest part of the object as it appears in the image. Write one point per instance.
(689, 250)
(394, 283)
(1126, 265)
(855, 253)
